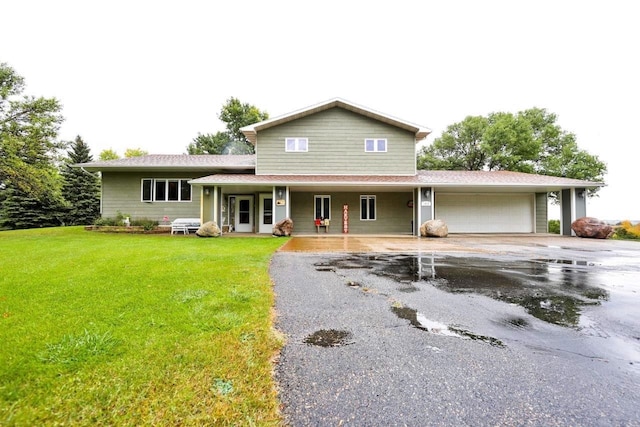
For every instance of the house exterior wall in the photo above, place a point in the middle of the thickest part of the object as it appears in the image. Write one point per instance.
(121, 192)
(393, 216)
(335, 146)
(542, 217)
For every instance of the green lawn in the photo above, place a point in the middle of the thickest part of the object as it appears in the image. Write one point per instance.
(116, 329)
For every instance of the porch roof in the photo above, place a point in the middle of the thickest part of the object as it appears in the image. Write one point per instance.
(454, 180)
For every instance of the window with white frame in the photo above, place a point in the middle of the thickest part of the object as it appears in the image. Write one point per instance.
(165, 190)
(322, 206)
(296, 144)
(368, 208)
(375, 145)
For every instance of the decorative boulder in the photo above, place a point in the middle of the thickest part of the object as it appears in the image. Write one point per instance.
(434, 228)
(592, 228)
(208, 229)
(283, 227)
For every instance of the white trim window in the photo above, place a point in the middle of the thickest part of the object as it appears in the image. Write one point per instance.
(367, 208)
(322, 207)
(375, 145)
(296, 145)
(165, 190)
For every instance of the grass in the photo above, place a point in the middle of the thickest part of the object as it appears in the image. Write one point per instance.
(119, 329)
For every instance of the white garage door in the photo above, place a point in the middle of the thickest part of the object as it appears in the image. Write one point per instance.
(485, 213)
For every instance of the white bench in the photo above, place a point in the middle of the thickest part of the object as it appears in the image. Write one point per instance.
(185, 225)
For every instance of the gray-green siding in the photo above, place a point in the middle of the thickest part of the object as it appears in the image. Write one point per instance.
(393, 215)
(336, 146)
(121, 193)
(581, 203)
(542, 219)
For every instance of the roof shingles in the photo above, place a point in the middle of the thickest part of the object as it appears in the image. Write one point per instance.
(463, 178)
(187, 161)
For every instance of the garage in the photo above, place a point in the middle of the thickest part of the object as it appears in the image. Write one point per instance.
(486, 212)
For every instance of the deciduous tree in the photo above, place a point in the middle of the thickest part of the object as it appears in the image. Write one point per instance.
(235, 115)
(134, 152)
(108, 154)
(530, 141)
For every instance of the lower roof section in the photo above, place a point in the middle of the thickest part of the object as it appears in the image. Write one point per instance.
(456, 181)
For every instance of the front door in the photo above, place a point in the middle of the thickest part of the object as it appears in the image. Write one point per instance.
(244, 214)
(266, 213)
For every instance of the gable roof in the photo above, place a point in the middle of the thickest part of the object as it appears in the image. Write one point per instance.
(174, 162)
(251, 131)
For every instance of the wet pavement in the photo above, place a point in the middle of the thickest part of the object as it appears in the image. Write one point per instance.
(495, 330)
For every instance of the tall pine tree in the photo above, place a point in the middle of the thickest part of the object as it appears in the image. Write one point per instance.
(30, 193)
(81, 189)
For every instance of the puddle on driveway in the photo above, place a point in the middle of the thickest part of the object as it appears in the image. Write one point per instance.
(329, 338)
(553, 290)
(419, 320)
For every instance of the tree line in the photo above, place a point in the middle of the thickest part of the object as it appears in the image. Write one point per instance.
(38, 186)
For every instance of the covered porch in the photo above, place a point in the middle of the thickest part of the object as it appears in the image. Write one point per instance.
(469, 202)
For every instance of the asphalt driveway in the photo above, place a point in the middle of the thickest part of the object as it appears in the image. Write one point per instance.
(467, 330)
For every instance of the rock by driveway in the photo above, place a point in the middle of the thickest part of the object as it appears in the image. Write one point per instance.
(411, 350)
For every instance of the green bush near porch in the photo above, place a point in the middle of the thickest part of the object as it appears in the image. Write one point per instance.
(119, 329)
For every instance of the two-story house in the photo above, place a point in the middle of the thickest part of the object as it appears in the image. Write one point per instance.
(336, 164)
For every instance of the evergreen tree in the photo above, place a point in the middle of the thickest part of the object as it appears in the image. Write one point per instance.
(30, 182)
(81, 189)
(22, 210)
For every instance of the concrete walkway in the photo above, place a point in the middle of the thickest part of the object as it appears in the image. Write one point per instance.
(474, 243)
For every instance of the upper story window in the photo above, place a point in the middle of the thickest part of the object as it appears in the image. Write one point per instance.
(375, 145)
(296, 144)
(165, 190)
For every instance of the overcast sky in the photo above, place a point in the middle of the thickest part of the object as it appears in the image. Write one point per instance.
(154, 74)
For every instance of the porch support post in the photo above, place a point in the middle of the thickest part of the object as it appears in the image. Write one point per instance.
(424, 207)
(282, 202)
(216, 211)
(567, 211)
(541, 213)
(580, 202)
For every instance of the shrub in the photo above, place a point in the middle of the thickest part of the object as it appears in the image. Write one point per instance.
(554, 226)
(145, 223)
(627, 231)
(105, 222)
(118, 221)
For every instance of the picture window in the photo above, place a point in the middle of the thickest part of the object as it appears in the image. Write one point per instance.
(165, 190)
